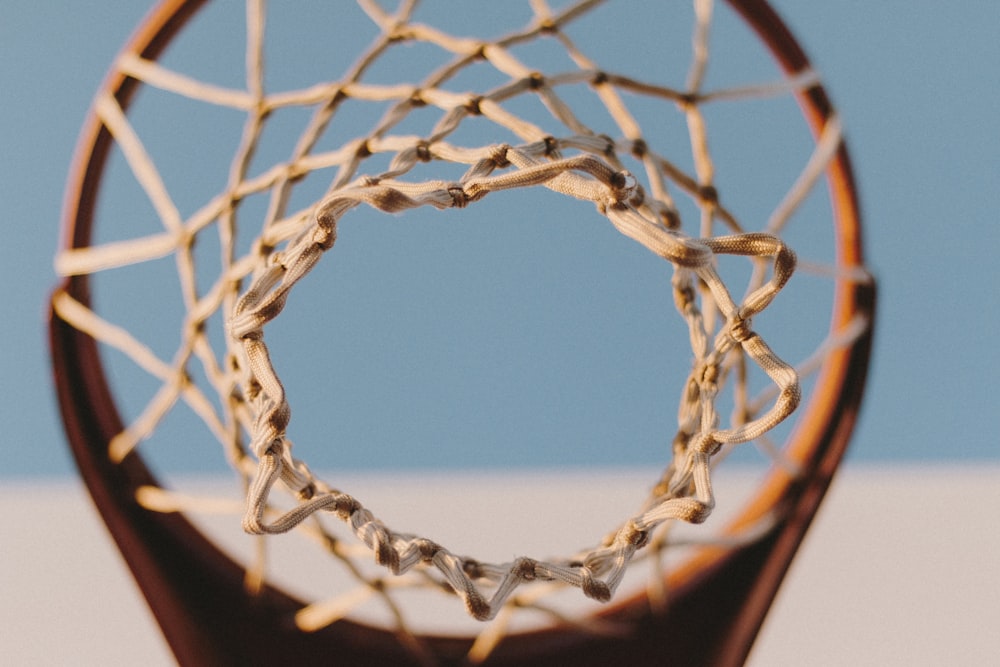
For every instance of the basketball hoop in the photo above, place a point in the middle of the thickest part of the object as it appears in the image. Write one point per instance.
(510, 112)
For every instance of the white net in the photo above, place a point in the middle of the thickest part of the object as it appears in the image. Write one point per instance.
(446, 139)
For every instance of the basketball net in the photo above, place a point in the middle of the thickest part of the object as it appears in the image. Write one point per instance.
(616, 169)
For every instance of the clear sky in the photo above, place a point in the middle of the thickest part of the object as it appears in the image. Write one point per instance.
(917, 83)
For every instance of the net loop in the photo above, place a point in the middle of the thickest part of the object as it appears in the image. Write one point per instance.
(613, 191)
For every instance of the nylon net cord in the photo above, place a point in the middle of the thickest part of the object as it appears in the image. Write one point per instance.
(253, 288)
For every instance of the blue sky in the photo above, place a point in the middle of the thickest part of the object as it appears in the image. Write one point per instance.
(918, 86)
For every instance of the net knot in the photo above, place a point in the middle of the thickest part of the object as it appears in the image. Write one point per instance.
(708, 194)
(325, 233)
(739, 329)
(401, 31)
(459, 198)
(307, 492)
(707, 374)
(417, 99)
(670, 218)
(547, 25)
(363, 150)
(623, 180)
(551, 145)
(593, 588)
(684, 297)
(622, 186)
(609, 145)
(423, 151)
(277, 421)
(385, 555)
(498, 155)
(525, 569)
(428, 549)
(705, 443)
(472, 105)
(635, 535)
(345, 505)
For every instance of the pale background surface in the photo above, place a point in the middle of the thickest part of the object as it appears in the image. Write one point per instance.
(918, 85)
(887, 576)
